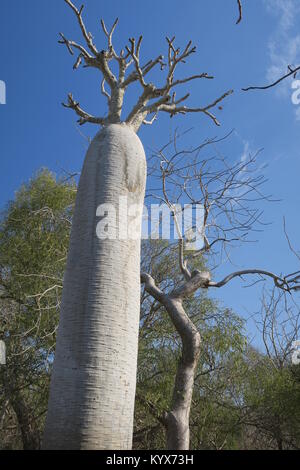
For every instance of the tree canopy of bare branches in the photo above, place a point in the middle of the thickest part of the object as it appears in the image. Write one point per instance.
(152, 99)
(228, 192)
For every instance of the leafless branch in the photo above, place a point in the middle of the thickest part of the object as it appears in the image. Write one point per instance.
(288, 240)
(173, 109)
(288, 283)
(95, 59)
(84, 116)
(103, 91)
(226, 190)
(151, 121)
(87, 36)
(166, 100)
(279, 326)
(109, 37)
(239, 2)
(72, 44)
(292, 71)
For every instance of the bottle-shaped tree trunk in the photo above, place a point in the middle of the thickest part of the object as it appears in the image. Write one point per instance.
(92, 393)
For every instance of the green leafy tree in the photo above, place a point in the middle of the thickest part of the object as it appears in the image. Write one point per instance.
(34, 236)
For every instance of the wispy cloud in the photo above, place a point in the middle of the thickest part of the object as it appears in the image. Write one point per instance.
(285, 10)
(242, 161)
(284, 44)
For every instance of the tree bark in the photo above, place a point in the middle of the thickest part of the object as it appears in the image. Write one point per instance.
(177, 419)
(92, 391)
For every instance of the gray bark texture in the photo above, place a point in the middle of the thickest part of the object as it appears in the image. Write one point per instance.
(178, 417)
(176, 420)
(92, 391)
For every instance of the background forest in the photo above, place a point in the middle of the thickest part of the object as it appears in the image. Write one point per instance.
(244, 397)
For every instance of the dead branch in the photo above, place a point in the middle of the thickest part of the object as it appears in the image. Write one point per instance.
(292, 71)
(288, 240)
(278, 324)
(288, 283)
(84, 116)
(239, 2)
(227, 192)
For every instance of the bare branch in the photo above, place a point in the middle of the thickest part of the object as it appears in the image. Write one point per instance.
(104, 92)
(98, 60)
(84, 116)
(284, 283)
(202, 280)
(288, 240)
(292, 71)
(149, 123)
(87, 36)
(173, 109)
(239, 2)
(208, 245)
(109, 35)
(151, 287)
(145, 70)
(134, 52)
(69, 44)
(193, 77)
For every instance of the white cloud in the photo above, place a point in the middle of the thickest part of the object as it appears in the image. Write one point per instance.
(245, 153)
(286, 10)
(282, 54)
(284, 45)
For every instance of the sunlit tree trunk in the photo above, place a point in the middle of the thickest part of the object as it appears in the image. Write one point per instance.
(92, 393)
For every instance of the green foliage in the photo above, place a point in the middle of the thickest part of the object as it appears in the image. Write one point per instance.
(272, 396)
(34, 234)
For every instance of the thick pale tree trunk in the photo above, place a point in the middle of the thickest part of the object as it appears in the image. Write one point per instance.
(92, 392)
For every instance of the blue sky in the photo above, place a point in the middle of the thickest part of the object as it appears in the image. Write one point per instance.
(35, 131)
